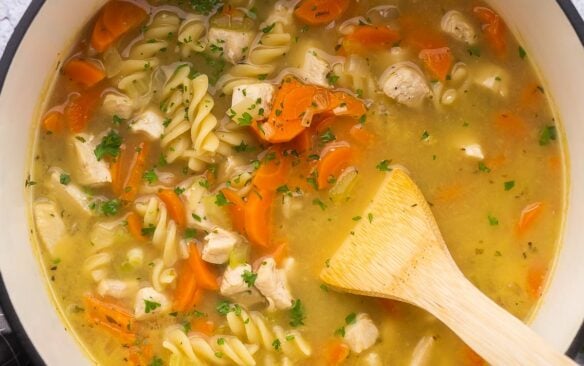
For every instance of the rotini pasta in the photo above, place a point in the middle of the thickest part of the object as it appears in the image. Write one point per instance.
(215, 350)
(161, 276)
(191, 35)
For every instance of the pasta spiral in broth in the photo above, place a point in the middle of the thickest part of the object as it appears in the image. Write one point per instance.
(199, 162)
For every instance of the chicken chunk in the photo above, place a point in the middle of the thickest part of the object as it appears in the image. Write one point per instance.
(149, 303)
(69, 195)
(117, 288)
(405, 83)
(150, 122)
(492, 78)
(230, 44)
(259, 95)
(361, 334)
(49, 224)
(315, 69)
(232, 282)
(118, 105)
(456, 25)
(474, 151)
(90, 171)
(219, 244)
(272, 283)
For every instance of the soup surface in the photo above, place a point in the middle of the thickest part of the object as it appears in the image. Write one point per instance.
(199, 162)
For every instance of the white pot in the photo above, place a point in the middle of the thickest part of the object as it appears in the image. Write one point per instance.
(541, 26)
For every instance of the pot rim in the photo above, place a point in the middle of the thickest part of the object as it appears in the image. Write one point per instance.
(12, 46)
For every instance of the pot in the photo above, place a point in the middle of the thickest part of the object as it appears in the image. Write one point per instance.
(28, 68)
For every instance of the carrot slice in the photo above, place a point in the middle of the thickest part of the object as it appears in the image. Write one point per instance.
(280, 253)
(528, 216)
(80, 108)
(140, 355)
(53, 122)
(342, 104)
(197, 298)
(175, 206)
(319, 12)
(493, 28)
(332, 163)
(136, 172)
(361, 135)
(536, 275)
(206, 279)
(273, 172)
(135, 226)
(258, 216)
(512, 126)
(186, 287)
(204, 326)
(438, 61)
(301, 143)
(336, 352)
(83, 72)
(368, 38)
(236, 210)
(116, 18)
(111, 317)
(116, 172)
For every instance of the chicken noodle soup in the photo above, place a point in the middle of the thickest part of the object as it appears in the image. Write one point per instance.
(199, 161)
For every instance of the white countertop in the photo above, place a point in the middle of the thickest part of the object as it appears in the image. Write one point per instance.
(12, 10)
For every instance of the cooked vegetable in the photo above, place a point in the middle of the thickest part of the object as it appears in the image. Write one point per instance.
(273, 172)
(438, 61)
(80, 109)
(174, 205)
(115, 19)
(368, 38)
(135, 226)
(110, 317)
(332, 163)
(336, 352)
(53, 122)
(320, 12)
(258, 220)
(493, 28)
(134, 176)
(529, 215)
(205, 277)
(83, 72)
(236, 209)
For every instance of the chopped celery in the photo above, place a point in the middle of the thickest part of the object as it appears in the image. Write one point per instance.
(218, 215)
(239, 255)
(344, 185)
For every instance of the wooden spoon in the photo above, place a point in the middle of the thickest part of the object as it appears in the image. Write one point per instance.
(400, 254)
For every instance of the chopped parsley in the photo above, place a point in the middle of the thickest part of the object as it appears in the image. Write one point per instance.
(509, 185)
(522, 53)
(117, 120)
(150, 176)
(220, 200)
(223, 307)
(370, 217)
(249, 277)
(111, 207)
(156, 361)
(493, 221)
(327, 136)
(547, 134)
(319, 203)
(483, 168)
(150, 306)
(340, 332)
(425, 136)
(283, 189)
(297, 315)
(109, 146)
(268, 29)
(351, 319)
(190, 233)
(179, 191)
(243, 147)
(220, 341)
(384, 166)
(332, 79)
(245, 120)
(64, 179)
(357, 218)
(147, 231)
(276, 344)
(474, 51)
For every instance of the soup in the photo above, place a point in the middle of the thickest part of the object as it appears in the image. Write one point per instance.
(200, 161)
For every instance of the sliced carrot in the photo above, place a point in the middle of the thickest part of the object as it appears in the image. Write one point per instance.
(132, 182)
(493, 28)
(438, 61)
(115, 19)
(140, 355)
(367, 38)
(83, 72)
(135, 226)
(319, 12)
(536, 275)
(528, 216)
(197, 298)
(236, 210)
(258, 216)
(336, 352)
(111, 317)
(301, 143)
(175, 206)
(186, 288)
(274, 172)
(116, 172)
(332, 163)
(343, 104)
(419, 36)
(361, 135)
(80, 108)
(511, 125)
(54, 122)
(280, 253)
(205, 326)
(206, 279)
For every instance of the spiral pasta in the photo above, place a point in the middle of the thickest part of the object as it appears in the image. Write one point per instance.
(161, 276)
(253, 327)
(215, 350)
(165, 230)
(191, 35)
(136, 70)
(187, 102)
(273, 43)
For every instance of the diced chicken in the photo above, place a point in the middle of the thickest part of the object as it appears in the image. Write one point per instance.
(104, 234)
(68, 195)
(260, 95)
(194, 194)
(118, 105)
(456, 25)
(272, 283)
(49, 224)
(90, 170)
(474, 151)
(150, 122)
(371, 359)
(491, 77)
(150, 302)
(218, 246)
(233, 282)
(405, 83)
(315, 69)
(230, 44)
(362, 334)
(117, 288)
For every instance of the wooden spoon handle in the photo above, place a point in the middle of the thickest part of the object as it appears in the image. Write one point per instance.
(495, 334)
